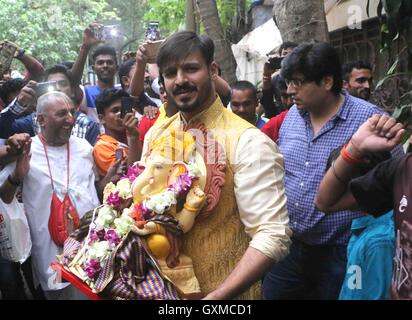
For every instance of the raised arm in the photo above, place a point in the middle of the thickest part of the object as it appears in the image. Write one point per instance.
(378, 133)
(137, 85)
(88, 42)
(222, 87)
(34, 69)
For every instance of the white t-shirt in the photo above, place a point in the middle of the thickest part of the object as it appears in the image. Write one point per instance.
(37, 195)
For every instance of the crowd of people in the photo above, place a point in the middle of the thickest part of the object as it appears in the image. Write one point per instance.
(306, 187)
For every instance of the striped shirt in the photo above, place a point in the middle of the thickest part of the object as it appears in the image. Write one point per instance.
(305, 157)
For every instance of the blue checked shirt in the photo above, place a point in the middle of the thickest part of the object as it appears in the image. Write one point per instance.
(305, 157)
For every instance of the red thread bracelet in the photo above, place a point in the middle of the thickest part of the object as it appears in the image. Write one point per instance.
(350, 159)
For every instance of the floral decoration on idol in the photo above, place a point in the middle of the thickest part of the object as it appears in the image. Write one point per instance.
(116, 217)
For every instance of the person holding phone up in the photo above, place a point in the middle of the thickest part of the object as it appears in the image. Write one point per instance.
(119, 145)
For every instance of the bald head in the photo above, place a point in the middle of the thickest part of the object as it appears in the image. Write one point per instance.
(56, 117)
(51, 99)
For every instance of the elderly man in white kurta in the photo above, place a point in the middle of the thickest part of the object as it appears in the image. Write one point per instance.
(64, 152)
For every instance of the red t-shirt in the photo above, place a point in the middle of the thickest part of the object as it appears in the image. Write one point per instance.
(272, 127)
(144, 125)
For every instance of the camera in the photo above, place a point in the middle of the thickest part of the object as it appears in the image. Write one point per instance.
(152, 32)
(7, 51)
(45, 87)
(275, 62)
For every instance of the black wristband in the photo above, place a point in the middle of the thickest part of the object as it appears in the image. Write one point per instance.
(20, 53)
(12, 182)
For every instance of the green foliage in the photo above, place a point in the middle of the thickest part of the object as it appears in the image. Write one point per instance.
(396, 21)
(171, 13)
(131, 13)
(51, 30)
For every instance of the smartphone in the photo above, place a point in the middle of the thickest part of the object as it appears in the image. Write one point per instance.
(7, 52)
(119, 154)
(44, 87)
(275, 62)
(106, 33)
(152, 32)
(111, 32)
(152, 49)
(127, 106)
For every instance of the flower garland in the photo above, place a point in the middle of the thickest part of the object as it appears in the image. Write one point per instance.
(109, 227)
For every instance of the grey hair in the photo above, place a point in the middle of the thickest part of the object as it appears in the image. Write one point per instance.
(50, 97)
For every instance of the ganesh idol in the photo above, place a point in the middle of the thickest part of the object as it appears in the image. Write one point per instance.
(121, 249)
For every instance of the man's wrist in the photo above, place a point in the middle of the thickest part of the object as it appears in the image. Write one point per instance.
(267, 77)
(133, 135)
(16, 108)
(85, 48)
(354, 150)
(20, 54)
(13, 180)
(352, 155)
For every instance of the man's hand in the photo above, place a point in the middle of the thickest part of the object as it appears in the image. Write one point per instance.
(89, 39)
(23, 162)
(150, 112)
(131, 124)
(141, 54)
(112, 174)
(27, 96)
(378, 133)
(267, 69)
(17, 142)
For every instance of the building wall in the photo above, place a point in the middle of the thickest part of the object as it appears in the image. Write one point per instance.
(365, 44)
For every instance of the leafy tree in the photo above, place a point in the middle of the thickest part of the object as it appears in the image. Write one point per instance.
(169, 13)
(395, 17)
(132, 22)
(51, 30)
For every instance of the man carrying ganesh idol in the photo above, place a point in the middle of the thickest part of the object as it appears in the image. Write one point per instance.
(243, 228)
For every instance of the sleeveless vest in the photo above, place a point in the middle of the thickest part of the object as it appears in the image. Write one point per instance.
(216, 244)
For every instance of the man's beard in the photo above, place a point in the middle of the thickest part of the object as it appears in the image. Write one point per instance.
(106, 78)
(365, 94)
(196, 104)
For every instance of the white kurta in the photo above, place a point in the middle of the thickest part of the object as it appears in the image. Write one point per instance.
(37, 195)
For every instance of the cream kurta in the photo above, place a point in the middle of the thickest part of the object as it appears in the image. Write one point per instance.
(260, 193)
(257, 169)
(37, 194)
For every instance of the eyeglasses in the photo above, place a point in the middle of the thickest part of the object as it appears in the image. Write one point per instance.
(297, 83)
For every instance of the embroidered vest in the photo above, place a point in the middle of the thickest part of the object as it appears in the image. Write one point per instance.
(217, 242)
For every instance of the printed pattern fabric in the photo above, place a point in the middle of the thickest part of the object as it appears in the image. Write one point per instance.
(131, 272)
(305, 156)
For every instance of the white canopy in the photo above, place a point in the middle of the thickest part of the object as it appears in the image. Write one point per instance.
(251, 52)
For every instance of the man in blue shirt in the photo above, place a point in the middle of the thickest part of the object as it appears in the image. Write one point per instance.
(321, 120)
(12, 120)
(105, 66)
